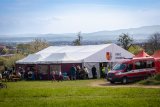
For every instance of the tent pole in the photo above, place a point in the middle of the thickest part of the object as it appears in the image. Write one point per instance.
(36, 71)
(48, 71)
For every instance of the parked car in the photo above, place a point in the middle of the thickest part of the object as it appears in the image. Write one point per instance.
(132, 70)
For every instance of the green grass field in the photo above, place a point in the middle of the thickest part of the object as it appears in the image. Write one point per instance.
(75, 94)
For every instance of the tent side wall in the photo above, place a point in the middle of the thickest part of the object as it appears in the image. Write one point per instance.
(116, 54)
(43, 71)
(119, 53)
(89, 66)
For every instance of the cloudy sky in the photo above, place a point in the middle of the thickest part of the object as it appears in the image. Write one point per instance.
(70, 16)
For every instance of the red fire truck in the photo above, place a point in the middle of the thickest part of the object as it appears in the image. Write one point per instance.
(132, 70)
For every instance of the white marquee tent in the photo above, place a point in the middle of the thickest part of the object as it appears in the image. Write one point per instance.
(77, 54)
(88, 55)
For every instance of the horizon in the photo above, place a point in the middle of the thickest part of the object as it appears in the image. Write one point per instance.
(60, 16)
(81, 31)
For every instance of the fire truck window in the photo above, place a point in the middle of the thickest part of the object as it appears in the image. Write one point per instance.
(153, 64)
(143, 64)
(150, 64)
(137, 65)
(130, 67)
(119, 67)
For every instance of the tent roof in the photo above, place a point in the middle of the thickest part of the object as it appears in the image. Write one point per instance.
(75, 54)
(156, 54)
(141, 54)
(66, 49)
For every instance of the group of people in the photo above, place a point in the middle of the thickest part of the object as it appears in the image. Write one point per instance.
(57, 76)
(81, 73)
(76, 72)
(29, 75)
(10, 74)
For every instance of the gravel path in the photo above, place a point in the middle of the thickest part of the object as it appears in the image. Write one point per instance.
(104, 83)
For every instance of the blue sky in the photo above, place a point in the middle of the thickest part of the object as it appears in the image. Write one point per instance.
(70, 16)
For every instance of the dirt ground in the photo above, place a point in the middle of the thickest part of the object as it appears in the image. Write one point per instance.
(105, 83)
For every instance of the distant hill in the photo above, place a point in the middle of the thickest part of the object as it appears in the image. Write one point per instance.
(138, 34)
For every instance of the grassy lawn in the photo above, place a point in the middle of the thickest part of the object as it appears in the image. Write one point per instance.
(75, 94)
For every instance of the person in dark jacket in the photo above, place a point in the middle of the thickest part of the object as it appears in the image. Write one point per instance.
(94, 72)
(73, 73)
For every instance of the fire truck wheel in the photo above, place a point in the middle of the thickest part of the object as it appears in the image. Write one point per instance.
(112, 82)
(124, 80)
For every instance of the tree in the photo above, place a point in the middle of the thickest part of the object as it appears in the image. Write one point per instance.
(77, 41)
(4, 51)
(23, 48)
(134, 49)
(125, 40)
(153, 43)
(37, 45)
(32, 47)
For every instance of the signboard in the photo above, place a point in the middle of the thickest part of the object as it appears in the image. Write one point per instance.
(108, 55)
(118, 56)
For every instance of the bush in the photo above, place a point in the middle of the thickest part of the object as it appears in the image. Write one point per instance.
(11, 60)
(155, 80)
(2, 61)
(150, 82)
(157, 77)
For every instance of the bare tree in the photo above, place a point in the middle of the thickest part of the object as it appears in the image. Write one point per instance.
(78, 40)
(125, 40)
(153, 43)
(37, 45)
(32, 47)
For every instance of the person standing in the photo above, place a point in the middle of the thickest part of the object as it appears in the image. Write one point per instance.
(53, 75)
(94, 72)
(60, 78)
(78, 72)
(30, 74)
(73, 73)
(86, 72)
(22, 71)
